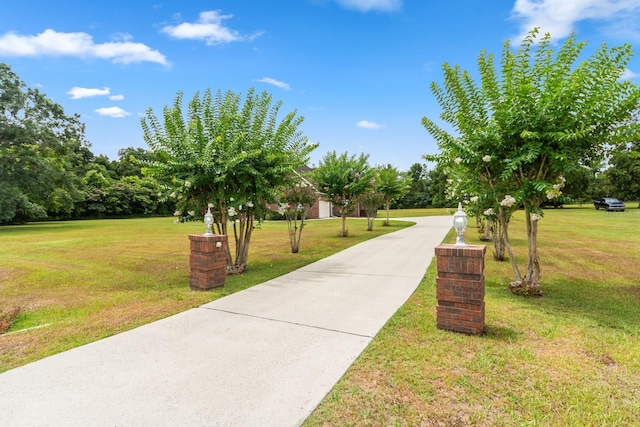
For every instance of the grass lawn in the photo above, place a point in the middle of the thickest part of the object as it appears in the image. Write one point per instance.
(78, 281)
(568, 358)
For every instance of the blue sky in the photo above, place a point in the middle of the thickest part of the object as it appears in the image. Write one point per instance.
(357, 70)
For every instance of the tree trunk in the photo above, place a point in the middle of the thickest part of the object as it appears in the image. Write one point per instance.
(498, 237)
(242, 230)
(514, 263)
(386, 205)
(530, 284)
(295, 230)
(343, 228)
(487, 231)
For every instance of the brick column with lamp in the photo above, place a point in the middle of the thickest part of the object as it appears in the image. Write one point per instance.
(460, 283)
(208, 258)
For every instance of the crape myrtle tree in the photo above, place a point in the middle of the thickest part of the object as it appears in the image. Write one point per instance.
(486, 197)
(342, 178)
(227, 154)
(370, 200)
(392, 185)
(537, 117)
(295, 203)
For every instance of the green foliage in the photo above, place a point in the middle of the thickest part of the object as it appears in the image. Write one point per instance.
(295, 203)
(624, 174)
(342, 178)
(523, 127)
(231, 154)
(40, 147)
(427, 187)
(370, 200)
(391, 185)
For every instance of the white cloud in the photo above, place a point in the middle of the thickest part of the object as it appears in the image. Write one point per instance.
(558, 17)
(53, 43)
(85, 92)
(629, 75)
(366, 124)
(275, 82)
(112, 112)
(116, 97)
(371, 5)
(209, 28)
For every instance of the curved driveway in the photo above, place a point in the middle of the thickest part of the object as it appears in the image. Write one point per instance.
(265, 356)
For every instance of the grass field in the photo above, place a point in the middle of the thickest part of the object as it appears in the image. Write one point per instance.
(568, 358)
(74, 282)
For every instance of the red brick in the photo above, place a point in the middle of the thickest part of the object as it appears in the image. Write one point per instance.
(207, 261)
(460, 288)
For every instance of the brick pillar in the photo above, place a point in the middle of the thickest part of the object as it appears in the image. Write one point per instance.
(208, 261)
(460, 288)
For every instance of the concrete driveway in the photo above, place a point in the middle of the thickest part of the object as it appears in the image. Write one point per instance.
(265, 356)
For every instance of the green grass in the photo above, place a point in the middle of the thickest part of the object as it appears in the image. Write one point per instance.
(78, 281)
(410, 213)
(569, 358)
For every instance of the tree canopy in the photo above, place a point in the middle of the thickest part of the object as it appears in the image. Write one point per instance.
(525, 125)
(40, 146)
(342, 178)
(230, 154)
(392, 185)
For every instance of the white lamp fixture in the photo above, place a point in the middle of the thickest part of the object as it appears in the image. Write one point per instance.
(208, 220)
(460, 224)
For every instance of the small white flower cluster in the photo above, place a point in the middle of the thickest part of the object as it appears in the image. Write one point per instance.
(486, 158)
(488, 212)
(535, 217)
(473, 199)
(555, 190)
(233, 211)
(508, 201)
(180, 218)
(458, 160)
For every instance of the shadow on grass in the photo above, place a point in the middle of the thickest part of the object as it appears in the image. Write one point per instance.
(501, 333)
(583, 303)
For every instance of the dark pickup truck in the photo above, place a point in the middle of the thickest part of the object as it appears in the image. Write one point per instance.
(609, 204)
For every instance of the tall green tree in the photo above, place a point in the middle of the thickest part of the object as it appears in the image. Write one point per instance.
(40, 147)
(228, 153)
(342, 178)
(392, 185)
(535, 118)
(623, 175)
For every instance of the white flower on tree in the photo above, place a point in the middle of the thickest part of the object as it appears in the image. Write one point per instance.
(508, 201)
